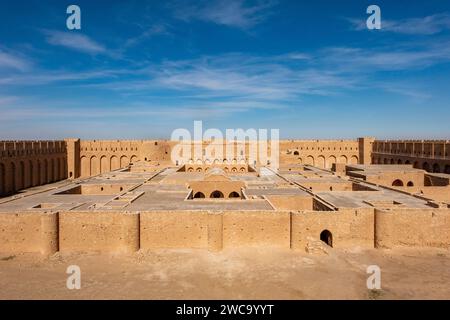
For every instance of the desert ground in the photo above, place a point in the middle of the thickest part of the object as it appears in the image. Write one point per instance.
(251, 273)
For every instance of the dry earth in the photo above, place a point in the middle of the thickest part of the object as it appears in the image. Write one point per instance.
(230, 274)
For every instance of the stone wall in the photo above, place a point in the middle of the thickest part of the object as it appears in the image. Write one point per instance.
(25, 164)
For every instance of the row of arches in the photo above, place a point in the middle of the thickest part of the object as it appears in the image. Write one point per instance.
(216, 195)
(425, 165)
(226, 169)
(217, 161)
(399, 183)
(327, 162)
(22, 174)
(92, 166)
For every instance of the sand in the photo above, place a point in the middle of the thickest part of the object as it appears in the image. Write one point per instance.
(247, 273)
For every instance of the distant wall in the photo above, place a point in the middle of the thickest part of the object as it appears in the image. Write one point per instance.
(25, 164)
(430, 155)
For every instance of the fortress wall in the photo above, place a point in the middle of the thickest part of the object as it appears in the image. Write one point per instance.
(350, 228)
(174, 229)
(47, 233)
(430, 155)
(320, 153)
(262, 228)
(412, 227)
(98, 231)
(29, 232)
(25, 164)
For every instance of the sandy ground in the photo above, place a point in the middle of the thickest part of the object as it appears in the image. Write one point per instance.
(230, 274)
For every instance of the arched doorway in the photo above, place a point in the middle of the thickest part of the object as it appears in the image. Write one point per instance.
(410, 184)
(2, 179)
(397, 183)
(234, 194)
(199, 195)
(216, 194)
(426, 166)
(327, 237)
(436, 168)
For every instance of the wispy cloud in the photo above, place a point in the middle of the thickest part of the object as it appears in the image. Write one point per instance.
(231, 13)
(74, 41)
(428, 25)
(13, 61)
(158, 29)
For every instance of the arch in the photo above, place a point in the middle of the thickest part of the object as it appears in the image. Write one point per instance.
(353, 160)
(114, 163)
(407, 162)
(95, 166)
(2, 179)
(399, 161)
(234, 194)
(51, 164)
(436, 168)
(234, 169)
(124, 161)
(343, 159)
(426, 166)
(392, 161)
(385, 161)
(85, 167)
(397, 183)
(190, 169)
(13, 177)
(296, 153)
(104, 164)
(410, 184)
(310, 160)
(331, 161)
(242, 169)
(447, 169)
(199, 195)
(62, 167)
(133, 159)
(39, 173)
(321, 161)
(327, 237)
(45, 171)
(416, 165)
(57, 173)
(300, 160)
(199, 170)
(21, 178)
(216, 194)
(226, 169)
(32, 173)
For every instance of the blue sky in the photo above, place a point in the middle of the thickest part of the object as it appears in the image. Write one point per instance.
(140, 69)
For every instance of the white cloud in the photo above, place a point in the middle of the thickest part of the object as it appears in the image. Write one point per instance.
(74, 41)
(232, 13)
(428, 25)
(154, 30)
(10, 60)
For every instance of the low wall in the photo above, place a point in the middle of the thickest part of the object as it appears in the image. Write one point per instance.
(98, 231)
(29, 233)
(349, 228)
(48, 233)
(412, 227)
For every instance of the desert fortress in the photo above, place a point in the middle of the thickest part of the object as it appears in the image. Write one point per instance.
(114, 196)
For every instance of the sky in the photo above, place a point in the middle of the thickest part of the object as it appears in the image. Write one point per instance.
(141, 69)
